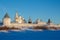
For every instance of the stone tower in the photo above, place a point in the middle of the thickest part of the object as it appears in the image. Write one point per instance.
(6, 20)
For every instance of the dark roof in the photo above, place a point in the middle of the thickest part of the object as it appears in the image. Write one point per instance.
(49, 21)
(6, 15)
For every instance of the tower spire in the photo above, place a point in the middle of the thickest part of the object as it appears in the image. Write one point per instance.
(17, 14)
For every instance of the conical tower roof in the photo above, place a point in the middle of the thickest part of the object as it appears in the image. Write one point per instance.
(6, 15)
(49, 21)
(29, 20)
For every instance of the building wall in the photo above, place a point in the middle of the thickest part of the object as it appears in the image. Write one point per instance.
(6, 21)
(18, 25)
(19, 20)
(59, 25)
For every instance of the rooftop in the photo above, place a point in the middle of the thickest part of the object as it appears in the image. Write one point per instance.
(6, 15)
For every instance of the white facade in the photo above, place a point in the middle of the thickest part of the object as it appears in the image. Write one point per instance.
(6, 21)
(19, 19)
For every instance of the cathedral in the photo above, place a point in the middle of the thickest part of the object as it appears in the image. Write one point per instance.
(19, 19)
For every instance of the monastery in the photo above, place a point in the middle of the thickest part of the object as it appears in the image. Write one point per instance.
(20, 22)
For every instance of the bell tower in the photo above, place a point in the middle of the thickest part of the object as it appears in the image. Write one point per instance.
(16, 17)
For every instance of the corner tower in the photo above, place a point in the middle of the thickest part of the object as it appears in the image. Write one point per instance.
(6, 20)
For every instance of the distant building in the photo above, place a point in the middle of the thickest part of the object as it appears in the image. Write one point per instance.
(6, 20)
(38, 21)
(50, 24)
(19, 19)
(20, 22)
(29, 20)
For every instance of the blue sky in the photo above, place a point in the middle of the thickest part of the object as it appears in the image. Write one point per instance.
(43, 9)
